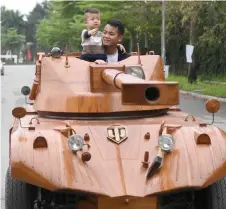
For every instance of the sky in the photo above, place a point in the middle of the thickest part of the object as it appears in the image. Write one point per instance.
(24, 6)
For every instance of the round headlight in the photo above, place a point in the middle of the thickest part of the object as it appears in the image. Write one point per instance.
(166, 142)
(75, 142)
(136, 71)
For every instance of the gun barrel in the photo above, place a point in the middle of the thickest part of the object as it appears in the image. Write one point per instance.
(137, 91)
(118, 78)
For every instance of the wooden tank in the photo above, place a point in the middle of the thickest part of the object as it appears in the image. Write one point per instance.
(120, 118)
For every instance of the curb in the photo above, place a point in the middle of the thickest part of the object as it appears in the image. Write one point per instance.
(201, 96)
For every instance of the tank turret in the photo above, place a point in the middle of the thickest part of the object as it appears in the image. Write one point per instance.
(68, 85)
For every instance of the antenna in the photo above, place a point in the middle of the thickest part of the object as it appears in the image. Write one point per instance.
(138, 53)
(66, 62)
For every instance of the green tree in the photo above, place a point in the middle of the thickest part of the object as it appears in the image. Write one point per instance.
(200, 23)
(12, 19)
(13, 41)
(58, 30)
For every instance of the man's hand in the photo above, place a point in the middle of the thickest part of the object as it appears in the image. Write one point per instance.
(100, 62)
(93, 32)
(122, 48)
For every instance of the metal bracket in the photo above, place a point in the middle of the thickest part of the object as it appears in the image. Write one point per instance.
(188, 116)
(34, 119)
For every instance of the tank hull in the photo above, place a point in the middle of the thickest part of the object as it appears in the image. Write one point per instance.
(116, 169)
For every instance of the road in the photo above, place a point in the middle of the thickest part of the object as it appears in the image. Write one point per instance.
(17, 76)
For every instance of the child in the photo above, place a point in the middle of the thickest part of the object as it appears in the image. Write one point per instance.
(91, 37)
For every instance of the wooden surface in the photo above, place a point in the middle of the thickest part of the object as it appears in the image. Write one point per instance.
(98, 84)
(168, 92)
(70, 89)
(117, 170)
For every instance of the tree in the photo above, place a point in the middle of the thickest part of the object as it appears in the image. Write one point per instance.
(13, 41)
(199, 23)
(58, 30)
(12, 19)
(35, 16)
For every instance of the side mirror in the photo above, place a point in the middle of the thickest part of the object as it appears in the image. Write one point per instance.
(19, 112)
(25, 90)
(212, 105)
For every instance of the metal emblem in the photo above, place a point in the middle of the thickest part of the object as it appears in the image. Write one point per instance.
(117, 133)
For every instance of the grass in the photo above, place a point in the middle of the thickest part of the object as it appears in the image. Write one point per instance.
(216, 90)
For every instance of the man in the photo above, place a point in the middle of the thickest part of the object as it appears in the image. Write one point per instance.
(111, 36)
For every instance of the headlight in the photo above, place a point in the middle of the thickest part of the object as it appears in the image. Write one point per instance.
(166, 142)
(75, 142)
(136, 71)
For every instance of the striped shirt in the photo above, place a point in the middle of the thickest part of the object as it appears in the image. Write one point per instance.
(91, 44)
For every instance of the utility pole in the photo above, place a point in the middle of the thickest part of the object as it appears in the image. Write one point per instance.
(163, 49)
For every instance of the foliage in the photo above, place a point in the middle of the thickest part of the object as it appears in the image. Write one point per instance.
(25, 26)
(71, 14)
(12, 19)
(57, 31)
(208, 37)
(13, 40)
(212, 41)
(59, 23)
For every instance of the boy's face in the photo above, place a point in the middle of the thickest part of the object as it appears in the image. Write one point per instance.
(92, 20)
(111, 35)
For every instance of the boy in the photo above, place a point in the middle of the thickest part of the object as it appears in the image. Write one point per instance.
(92, 38)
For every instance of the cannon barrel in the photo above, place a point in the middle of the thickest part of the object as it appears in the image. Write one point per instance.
(137, 91)
(118, 78)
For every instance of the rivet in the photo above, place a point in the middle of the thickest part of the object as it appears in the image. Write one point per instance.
(86, 137)
(86, 156)
(147, 135)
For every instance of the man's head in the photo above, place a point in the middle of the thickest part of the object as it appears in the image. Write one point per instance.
(113, 32)
(92, 18)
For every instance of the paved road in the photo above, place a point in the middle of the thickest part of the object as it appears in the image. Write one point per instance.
(17, 76)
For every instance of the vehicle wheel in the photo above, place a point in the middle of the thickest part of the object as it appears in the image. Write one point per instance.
(217, 195)
(18, 194)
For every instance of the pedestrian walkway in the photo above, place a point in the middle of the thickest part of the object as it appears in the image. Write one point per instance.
(215, 82)
(202, 96)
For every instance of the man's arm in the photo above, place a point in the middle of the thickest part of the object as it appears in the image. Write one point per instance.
(121, 48)
(122, 55)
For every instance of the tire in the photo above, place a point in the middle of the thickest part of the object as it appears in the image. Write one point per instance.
(217, 195)
(18, 194)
